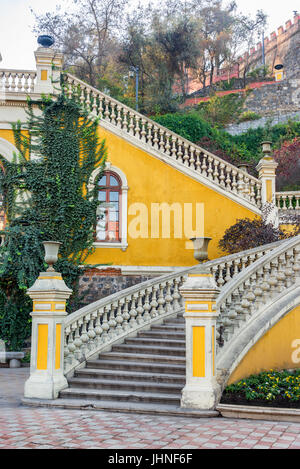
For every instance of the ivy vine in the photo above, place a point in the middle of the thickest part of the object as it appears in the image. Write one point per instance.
(47, 195)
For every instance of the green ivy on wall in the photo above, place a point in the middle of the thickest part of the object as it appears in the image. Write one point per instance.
(48, 195)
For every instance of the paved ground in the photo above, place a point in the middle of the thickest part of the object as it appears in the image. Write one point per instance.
(22, 427)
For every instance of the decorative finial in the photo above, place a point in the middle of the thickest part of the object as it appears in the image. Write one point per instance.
(45, 40)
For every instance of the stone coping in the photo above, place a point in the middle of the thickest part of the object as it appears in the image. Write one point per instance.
(259, 413)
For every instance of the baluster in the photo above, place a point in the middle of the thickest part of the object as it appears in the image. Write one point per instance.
(91, 332)
(154, 303)
(155, 139)
(168, 144)
(13, 81)
(198, 162)
(161, 142)
(119, 317)
(216, 172)
(105, 325)
(131, 124)
(106, 110)
(119, 118)
(179, 151)
(140, 308)
(101, 108)
(143, 131)
(112, 113)
(186, 154)
(161, 299)
(133, 312)
(88, 99)
(126, 315)
(94, 105)
(228, 179)
(176, 295)
(84, 336)
(98, 328)
(82, 97)
(77, 341)
(137, 127)
(112, 321)
(210, 170)
(204, 165)
(174, 150)
(168, 298)
(149, 136)
(147, 306)
(222, 176)
(125, 120)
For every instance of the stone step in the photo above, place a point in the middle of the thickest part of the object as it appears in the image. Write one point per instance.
(169, 328)
(120, 375)
(150, 349)
(135, 386)
(148, 341)
(130, 396)
(141, 357)
(128, 407)
(138, 366)
(161, 334)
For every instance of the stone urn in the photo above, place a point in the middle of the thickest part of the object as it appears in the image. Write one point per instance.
(51, 253)
(201, 248)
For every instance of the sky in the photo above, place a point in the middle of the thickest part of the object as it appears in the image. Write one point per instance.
(18, 42)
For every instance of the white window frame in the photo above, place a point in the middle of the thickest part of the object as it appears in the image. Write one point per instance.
(123, 244)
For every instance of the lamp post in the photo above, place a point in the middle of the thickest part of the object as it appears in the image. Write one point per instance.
(136, 70)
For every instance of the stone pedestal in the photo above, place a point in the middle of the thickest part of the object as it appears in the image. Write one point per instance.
(48, 65)
(267, 174)
(49, 294)
(200, 292)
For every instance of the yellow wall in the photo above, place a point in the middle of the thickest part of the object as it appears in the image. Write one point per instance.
(7, 135)
(274, 350)
(152, 181)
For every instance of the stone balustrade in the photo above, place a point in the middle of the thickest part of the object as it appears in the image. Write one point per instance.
(243, 299)
(161, 139)
(17, 81)
(288, 200)
(95, 327)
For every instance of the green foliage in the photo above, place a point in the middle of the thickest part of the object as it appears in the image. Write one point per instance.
(269, 386)
(260, 73)
(220, 111)
(47, 197)
(249, 116)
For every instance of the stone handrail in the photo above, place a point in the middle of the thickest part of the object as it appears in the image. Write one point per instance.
(242, 298)
(96, 326)
(159, 138)
(17, 81)
(288, 200)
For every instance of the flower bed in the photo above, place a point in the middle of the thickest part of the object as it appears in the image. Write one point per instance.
(267, 389)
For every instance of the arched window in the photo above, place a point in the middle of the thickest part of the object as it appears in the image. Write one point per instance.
(109, 213)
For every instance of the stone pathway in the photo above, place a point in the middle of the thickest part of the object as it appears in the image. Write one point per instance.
(41, 428)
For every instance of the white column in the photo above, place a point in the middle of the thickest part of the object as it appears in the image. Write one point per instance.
(200, 292)
(48, 65)
(49, 294)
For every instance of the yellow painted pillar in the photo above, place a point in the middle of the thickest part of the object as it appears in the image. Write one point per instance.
(267, 174)
(49, 294)
(200, 293)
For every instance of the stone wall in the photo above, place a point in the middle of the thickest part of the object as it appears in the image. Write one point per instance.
(276, 118)
(96, 284)
(275, 99)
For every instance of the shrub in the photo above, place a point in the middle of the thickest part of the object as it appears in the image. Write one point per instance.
(249, 116)
(288, 159)
(248, 234)
(268, 386)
